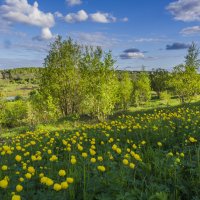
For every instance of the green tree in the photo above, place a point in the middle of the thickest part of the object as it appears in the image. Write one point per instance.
(141, 88)
(192, 61)
(125, 90)
(159, 80)
(185, 83)
(100, 81)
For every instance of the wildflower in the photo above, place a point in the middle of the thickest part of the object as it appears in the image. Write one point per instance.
(4, 167)
(70, 180)
(57, 187)
(84, 155)
(16, 197)
(125, 162)
(31, 170)
(3, 184)
(159, 144)
(62, 172)
(193, 140)
(18, 158)
(28, 175)
(19, 188)
(73, 161)
(93, 160)
(101, 168)
(64, 185)
(132, 165)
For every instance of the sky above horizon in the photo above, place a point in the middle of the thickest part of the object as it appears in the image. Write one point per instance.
(154, 34)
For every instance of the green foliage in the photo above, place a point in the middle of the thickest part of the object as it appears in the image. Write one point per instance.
(165, 96)
(13, 114)
(141, 89)
(159, 80)
(79, 79)
(125, 90)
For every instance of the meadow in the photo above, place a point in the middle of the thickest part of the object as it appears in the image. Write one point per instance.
(152, 154)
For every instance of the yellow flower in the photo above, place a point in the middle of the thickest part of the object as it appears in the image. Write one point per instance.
(159, 144)
(28, 175)
(193, 140)
(53, 158)
(18, 158)
(31, 170)
(19, 188)
(3, 184)
(57, 187)
(101, 168)
(170, 154)
(73, 161)
(182, 154)
(16, 197)
(64, 185)
(132, 165)
(49, 182)
(21, 179)
(100, 158)
(62, 172)
(93, 160)
(118, 150)
(143, 142)
(125, 162)
(4, 167)
(84, 155)
(70, 180)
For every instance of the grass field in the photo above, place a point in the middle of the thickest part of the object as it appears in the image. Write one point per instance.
(14, 89)
(153, 154)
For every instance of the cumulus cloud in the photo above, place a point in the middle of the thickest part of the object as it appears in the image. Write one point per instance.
(102, 17)
(190, 30)
(132, 53)
(185, 10)
(20, 11)
(177, 46)
(80, 16)
(73, 2)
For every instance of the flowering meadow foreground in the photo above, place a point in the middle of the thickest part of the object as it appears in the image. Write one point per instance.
(148, 155)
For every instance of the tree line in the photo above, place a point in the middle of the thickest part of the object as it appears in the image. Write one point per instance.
(81, 80)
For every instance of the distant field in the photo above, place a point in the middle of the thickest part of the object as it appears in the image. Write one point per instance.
(14, 89)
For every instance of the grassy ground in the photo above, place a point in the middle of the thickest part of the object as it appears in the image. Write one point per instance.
(14, 89)
(149, 155)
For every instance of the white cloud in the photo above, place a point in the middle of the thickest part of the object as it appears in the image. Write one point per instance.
(58, 14)
(151, 40)
(80, 16)
(191, 30)
(46, 34)
(132, 55)
(22, 12)
(73, 2)
(102, 17)
(185, 10)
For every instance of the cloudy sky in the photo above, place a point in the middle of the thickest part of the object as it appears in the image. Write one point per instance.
(152, 33)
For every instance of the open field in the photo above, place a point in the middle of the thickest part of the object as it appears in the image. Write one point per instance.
(143, 155)
(14, 89)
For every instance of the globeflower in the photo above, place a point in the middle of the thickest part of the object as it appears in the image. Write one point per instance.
(62, 172)
(193, 140)
(70, 180)
(4, 167)
(16, 197)
(3, 184)
(57, 187)
(64, 185)
(19, 188)
(125, 162)
(18, 158)
(159, 144)
(101, 168)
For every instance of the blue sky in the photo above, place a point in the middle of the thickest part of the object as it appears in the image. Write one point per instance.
(138, 32)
